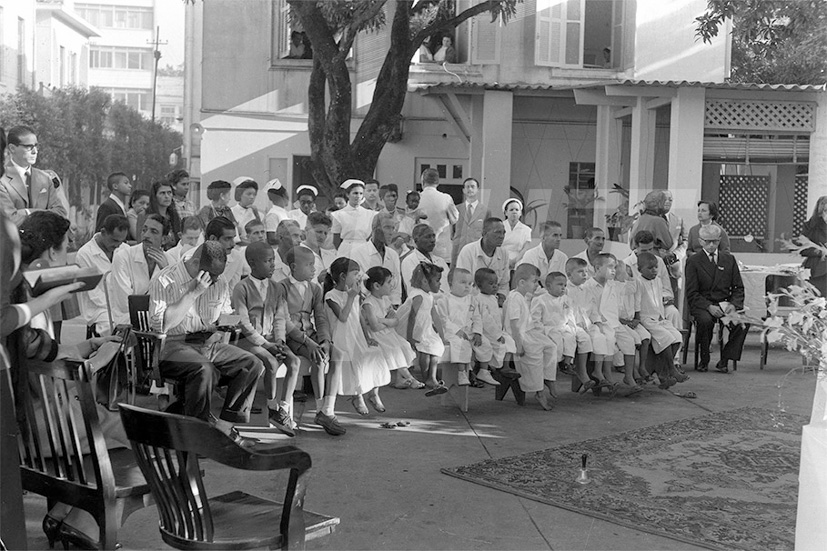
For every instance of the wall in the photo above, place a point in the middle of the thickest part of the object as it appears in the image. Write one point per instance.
(12, 10)
(51, 35)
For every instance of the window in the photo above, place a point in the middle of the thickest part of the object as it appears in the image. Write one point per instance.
(169, 115)
(451, 174)
(118, 58)
(289, 39)
(580, 199)
(62, 61)
(116, 17)
(580, 33)
(137, 99)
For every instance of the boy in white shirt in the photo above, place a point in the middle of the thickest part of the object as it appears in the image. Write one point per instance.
(460, 322)
(588, 317)
(492, 343)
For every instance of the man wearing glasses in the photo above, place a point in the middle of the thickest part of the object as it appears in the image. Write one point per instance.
(23, 188)
(714, 289)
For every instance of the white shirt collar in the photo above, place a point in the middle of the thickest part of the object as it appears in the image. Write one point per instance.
(118, 201)
(21, 170)
(472, 204)
(301, 285)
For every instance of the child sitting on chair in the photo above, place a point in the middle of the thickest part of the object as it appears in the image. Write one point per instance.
(460, 321)
(553, 311)
(490, 346)
(665, 338)
(536, 356)
(260, 303)
(587, 316)
(630, 323)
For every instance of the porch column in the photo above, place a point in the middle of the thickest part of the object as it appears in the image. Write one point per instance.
(476, 147)
(607, 163)
(642, 160)
(496, 147)
(686, 151)
(817, 180)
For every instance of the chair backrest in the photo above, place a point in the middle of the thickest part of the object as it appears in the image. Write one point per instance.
(57, 430)
(167, 447)
(139, 312)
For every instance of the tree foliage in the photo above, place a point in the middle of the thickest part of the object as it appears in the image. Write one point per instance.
(783, 42)
(332, 27)
(85, 137)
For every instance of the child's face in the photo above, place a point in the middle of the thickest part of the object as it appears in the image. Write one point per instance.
(303, 269)
(649, 272)
(351, 278)
(339, 202)
(434, 283)
(461, 284)
(579, 276)
(190, 237)
(556, 287)
(607, 271)
(264, 266)
(390, 200)
(528, 285)
(412, 201)
(489, 285)
(384, 289)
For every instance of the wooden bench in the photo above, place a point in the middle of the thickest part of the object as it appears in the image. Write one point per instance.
(168, 447)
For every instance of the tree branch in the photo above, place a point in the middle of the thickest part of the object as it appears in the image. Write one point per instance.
(454, 22)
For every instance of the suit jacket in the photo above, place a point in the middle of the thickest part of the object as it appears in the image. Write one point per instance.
(14, 199)
(708, 283)
(108, 207)
(469, 230)
(815, 231)
(261, 321)
(305, 314)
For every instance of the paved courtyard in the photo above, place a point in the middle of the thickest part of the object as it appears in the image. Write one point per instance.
(386, 487)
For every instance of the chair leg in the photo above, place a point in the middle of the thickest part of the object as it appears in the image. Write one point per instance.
(765, 350)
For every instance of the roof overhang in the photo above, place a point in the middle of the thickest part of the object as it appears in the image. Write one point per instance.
(70, 19)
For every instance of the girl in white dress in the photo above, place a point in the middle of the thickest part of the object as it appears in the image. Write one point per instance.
(363, 368)
(517, 235)
(380, 319)
(422, 325)
(351, 224)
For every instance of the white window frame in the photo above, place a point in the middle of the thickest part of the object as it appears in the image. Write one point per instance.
(551, 12)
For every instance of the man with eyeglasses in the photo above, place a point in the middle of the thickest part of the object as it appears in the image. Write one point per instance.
(23, 188)
(714, 290)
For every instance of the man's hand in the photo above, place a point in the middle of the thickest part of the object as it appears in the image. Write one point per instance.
(158, 256)
(716, 311)
(202, 282)
(477, 339)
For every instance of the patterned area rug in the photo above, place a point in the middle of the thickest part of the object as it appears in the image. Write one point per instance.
(722, 481)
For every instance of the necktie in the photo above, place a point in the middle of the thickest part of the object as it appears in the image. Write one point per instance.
(470, 211)
(29, 187)
(713, 259)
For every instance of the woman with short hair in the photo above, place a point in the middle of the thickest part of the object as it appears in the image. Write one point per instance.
(707, 214)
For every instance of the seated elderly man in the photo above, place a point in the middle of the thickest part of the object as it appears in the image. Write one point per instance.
(424, 238)
(488, 253)
(713, 290)
(378, 252)
(185, 302)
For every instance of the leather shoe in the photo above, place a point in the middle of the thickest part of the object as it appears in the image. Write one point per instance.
(702, 368)
(722, 366)
(330, 424)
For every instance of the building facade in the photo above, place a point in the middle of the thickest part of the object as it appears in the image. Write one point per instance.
(17, 29)
(569, 99)
(62, 40)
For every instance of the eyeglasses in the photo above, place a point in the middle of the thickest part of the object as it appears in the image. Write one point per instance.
(28, 146)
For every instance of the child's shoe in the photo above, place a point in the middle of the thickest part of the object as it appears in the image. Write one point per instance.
(462, 378)
(485, 376)
(280, 419)
(509, 372)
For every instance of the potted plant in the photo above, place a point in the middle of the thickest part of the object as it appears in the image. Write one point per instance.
(620, 221)
(579, 203)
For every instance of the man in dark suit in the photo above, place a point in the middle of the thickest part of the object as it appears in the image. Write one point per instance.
(472, 214)
(120, 188)
(714, 289)
(23, 188)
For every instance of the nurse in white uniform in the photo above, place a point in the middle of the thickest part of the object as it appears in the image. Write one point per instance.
(351, 224)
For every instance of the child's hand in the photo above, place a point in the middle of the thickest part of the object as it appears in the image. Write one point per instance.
(372, 341)
(391, 313)
(477, 339)
(353, 290)
(462, 334)
(501, 340)
(633, 323)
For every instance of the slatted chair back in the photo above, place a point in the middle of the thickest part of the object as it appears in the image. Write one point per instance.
(63, 452)
(149, 344)
(168, 447)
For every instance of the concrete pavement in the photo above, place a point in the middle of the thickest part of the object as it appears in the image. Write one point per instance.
(386, 487)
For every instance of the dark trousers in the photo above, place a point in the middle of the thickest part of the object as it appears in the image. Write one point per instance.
(200, 368)
(705, 324)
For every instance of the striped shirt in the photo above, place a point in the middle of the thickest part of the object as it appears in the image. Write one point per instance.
(172, 283)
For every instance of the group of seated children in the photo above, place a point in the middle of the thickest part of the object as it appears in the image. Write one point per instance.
(354, 340)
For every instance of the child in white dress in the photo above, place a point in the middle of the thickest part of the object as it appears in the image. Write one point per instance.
(380, 319)
(421, 324)
(460, 321)
(493, 343)
(362, 367)
(630, 322)
(536, 356)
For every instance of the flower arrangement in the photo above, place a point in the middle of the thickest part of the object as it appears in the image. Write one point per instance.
(804, 329)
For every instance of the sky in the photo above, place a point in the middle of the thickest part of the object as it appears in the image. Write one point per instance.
(170, 19)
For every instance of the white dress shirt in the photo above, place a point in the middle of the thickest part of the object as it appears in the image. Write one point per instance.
(367, 256)
(441, 213)
(94, 306)
(536, 256)
(130, 276)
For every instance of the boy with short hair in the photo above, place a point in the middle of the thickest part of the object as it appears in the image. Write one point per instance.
(263, 310)
(413, 215)
(587, 315)
(492, 343)
(308, 334)
(607, 294)
(666, 340)
(553, 311)
(372, 195)
(536, 356)
(190, 237)
(630, 322)
(460, 322)
(389, 193)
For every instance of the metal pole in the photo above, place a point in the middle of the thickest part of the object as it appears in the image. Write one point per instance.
(157, 55)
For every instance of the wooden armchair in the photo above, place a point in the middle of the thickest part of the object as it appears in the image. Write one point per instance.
(168, 446)
(63, 453)
(148, 348)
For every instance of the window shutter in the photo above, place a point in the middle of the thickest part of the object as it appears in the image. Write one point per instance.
(283, 26)
(574, 15)
(549, 33)
(618, 22)
(485, 40)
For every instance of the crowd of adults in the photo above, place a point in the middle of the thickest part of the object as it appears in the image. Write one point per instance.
(194, 264)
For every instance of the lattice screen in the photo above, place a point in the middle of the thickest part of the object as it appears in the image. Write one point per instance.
(800, 213)
(731, 114)
(743, 205)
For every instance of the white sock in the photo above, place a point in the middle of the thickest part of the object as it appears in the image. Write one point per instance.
(329, 405)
